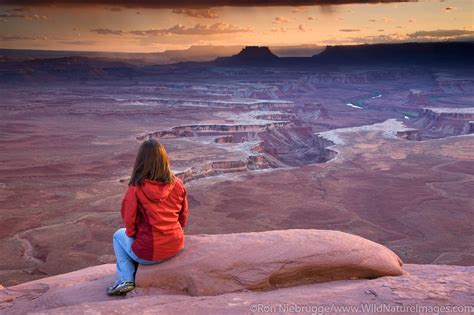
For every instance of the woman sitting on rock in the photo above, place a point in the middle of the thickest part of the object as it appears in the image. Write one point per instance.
(154, 213)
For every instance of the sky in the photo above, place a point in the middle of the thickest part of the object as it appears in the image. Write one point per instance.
(155, 26)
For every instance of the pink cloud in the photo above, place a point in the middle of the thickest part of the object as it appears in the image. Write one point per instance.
(197, 13)
(280, 20)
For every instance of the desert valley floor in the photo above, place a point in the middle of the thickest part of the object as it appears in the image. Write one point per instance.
(386, 153)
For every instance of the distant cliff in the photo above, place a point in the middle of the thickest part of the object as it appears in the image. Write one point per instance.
(250, 55)
(81, 68)
(439, 53)
(400, 53)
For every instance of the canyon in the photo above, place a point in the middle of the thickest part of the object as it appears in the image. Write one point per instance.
(261, 147)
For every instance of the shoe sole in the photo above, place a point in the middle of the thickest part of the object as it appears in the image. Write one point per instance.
(121, 291)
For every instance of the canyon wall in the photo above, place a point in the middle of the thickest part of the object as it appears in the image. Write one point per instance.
(439, 123)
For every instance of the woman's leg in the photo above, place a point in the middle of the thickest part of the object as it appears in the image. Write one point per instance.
(126, 266)
(127, 261)
(151, 262)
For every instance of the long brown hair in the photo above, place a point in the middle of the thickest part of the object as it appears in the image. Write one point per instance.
(152, 163)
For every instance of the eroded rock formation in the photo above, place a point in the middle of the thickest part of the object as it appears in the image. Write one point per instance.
(220, 167)
(289, 263)
(216, 264)
(413, 134)
(271, 143)
(195, 130)
(441, 122)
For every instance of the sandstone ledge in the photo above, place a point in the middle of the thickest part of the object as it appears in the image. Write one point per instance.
(83, 291)
(216, 264)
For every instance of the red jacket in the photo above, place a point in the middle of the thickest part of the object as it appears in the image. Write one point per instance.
(155, 214)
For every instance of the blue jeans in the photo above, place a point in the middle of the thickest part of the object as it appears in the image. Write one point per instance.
(127, 261)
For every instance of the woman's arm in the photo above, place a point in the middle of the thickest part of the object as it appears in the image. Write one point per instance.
(129, 211)
(183, 214)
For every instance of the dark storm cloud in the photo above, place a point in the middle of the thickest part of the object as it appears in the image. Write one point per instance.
(191, 3)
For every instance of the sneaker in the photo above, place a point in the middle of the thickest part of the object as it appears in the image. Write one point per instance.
(121, 288)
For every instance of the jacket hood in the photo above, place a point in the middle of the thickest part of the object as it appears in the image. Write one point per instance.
(157, 191)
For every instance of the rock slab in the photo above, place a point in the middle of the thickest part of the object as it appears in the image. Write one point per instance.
(217, 264)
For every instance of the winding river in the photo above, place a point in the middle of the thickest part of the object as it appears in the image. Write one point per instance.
(360, 103)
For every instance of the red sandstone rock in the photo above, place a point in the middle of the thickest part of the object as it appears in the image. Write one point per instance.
(216, 264)
(83, 292)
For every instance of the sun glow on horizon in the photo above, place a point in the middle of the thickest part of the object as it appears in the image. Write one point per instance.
(120, 29)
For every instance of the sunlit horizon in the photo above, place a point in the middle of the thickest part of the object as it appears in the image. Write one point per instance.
(111, 28)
